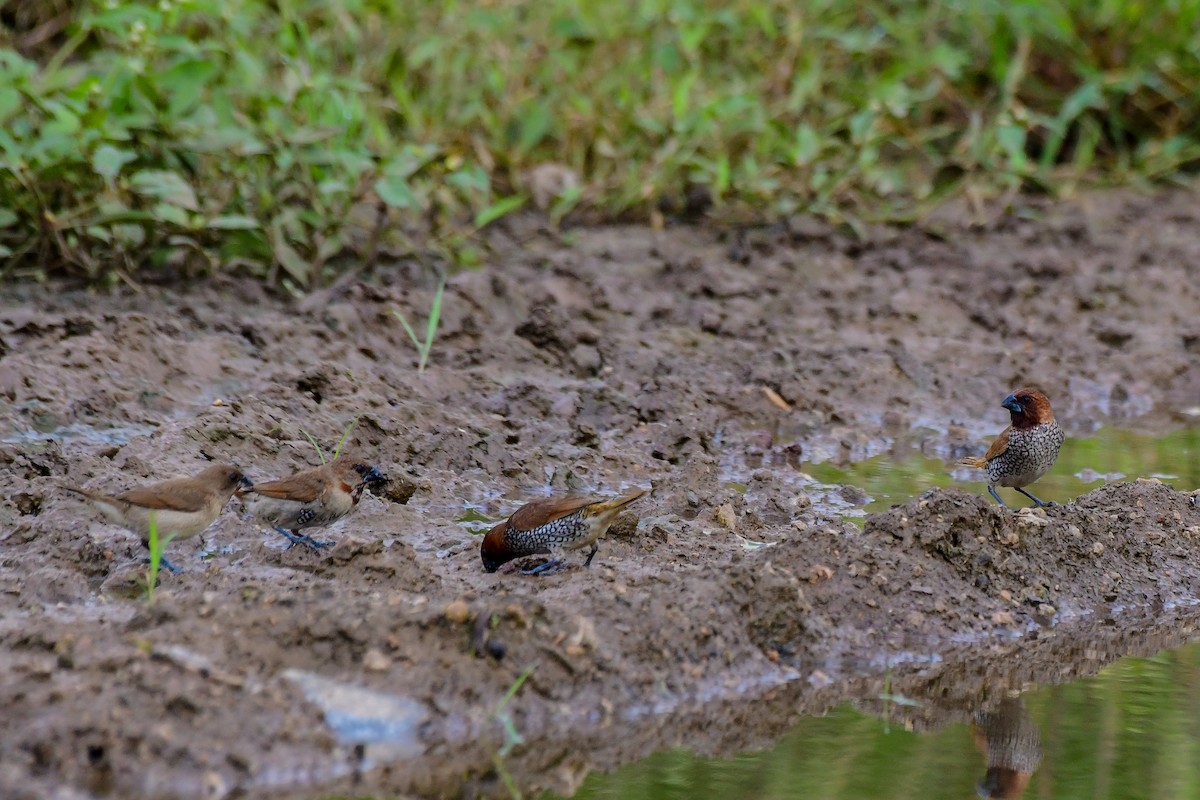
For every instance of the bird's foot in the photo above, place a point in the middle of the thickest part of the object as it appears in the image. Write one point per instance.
(1037, 503)
(164, 563)
(307, 541)
(546, 568)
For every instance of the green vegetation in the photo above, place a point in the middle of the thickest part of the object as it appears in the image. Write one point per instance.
(435, 314)
(341, 442)
(512, 737)
(157, 545)
(1128, 733)
(292, 139)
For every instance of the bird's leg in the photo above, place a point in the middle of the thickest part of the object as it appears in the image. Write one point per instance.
(168, 566)
(591, 554)
(547, 568)
(1038, 503)
(307, 541)
(992, 490)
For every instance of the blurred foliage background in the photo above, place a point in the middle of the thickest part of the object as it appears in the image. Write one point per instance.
(291, 138)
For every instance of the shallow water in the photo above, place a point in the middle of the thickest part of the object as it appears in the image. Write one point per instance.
(1083, 465)
(1133, 731)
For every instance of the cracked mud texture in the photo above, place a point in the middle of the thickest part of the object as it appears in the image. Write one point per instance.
(632, 358)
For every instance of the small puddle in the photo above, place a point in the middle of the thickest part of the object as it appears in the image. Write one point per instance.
(1129, 732)
(385, 726)
(80, 433)
(905, 472)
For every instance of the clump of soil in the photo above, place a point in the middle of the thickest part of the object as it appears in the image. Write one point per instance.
(719, 607)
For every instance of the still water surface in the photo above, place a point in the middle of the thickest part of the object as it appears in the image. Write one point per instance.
(1133, 731)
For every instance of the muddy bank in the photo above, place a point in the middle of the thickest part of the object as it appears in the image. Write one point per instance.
(633, 358)
(240, 678)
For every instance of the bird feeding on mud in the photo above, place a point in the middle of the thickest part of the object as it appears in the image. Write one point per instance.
(311, 498)
(1026, 449)
(180, 507)
(552, 527)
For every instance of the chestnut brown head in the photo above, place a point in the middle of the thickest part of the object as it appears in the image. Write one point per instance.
(493, 552)
(1028, 408)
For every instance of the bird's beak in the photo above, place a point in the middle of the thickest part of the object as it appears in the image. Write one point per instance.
(245, 484)
(1012, 405)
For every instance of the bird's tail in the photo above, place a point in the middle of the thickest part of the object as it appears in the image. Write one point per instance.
(110, 507)
(88, 495)
(972, 461)
(613, 505)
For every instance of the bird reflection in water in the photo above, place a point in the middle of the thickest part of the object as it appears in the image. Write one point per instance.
(1012, 744)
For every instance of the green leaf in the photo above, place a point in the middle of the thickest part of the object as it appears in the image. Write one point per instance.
(232, 222)
(10, 102)
(396, 192)
(5, 252)
(291, 261)
(166, 186)
(183, 83)
(7, 217)
(1012, 141)
(807, 146)
(535, 124)
(164, 212)
(499, 209)
(108, 161)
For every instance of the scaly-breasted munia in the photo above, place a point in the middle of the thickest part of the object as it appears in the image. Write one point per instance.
(1026, 449)
(181, 507)
(552, 527)
(311, 498)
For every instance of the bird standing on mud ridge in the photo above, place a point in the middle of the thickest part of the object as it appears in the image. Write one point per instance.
(180, 507)
(311, 498)
(552, 527)
(1026, 449)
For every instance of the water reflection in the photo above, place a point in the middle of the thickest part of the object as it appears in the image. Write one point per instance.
(1130, 731)
(1012, 744)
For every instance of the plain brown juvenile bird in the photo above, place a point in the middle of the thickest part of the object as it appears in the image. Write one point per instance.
(552, 527)
(180, 507)
(1026, 449)
(311, 498)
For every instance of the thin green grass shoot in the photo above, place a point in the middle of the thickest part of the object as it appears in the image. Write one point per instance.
(156, 545)
(431, 325)
(512, 737)
(316, 445)
(337, 451)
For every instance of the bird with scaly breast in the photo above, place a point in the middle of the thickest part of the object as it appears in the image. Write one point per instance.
(1026, 449)
(311, 498)
(180, 507)
(552, 527)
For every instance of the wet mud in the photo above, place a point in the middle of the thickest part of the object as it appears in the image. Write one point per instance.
(707, 365)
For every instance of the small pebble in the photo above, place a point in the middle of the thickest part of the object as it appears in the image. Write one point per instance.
(457, 612)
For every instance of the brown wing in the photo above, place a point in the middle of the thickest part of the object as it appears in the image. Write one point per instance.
(180, 494)
(303, 487)
(998, 446)
(539, 512)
